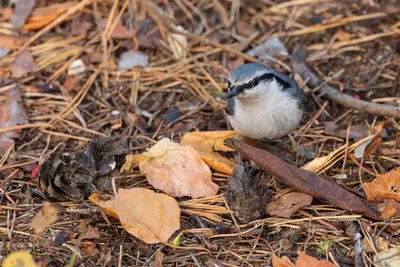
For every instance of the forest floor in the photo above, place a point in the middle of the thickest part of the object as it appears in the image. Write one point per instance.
(120, 75)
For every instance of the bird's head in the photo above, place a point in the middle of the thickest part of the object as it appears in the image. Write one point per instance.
(253, 80)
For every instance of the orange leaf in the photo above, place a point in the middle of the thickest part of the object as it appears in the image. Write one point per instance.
(152, 217)
(97, 199)
(209, 142)
(218, 162)
(10, 42)
(306, 261)
(42, 16)
(385, 186)
(391, 209)
(373, 146)
(175, 169)
(281, 262)
(47, 215)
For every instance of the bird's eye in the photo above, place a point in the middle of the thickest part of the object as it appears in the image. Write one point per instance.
(255, 83)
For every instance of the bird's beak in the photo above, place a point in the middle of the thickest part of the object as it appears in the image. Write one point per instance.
(232, 93)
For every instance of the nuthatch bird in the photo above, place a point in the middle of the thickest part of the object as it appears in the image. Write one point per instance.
(263, 103)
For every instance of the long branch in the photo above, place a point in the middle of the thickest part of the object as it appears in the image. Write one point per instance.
(299, 66)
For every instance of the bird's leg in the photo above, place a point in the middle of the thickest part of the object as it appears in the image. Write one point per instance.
(302, 153)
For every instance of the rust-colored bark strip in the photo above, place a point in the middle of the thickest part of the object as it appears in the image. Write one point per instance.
(304, 181)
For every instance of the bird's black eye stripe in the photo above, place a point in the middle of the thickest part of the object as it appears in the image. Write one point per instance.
(229, 85)
(264, 77)
(271, 76)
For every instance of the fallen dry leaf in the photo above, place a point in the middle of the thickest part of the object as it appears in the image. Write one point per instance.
(390, 258)
(47, 215)
(42, 16)
(10, 42)
(372, 147)
(281, 262)
(175, 169)
(385, 186)
(81, 25)
(119, 32)
(152, 217)
(288, 204)
(305, 181)
(178, 43)
(158, 260)
(218, 163)
(19, 259)
(12, 113)
(91, 232)
(23, 64)
(245, 28)
(209, 142)
(6, 13)
(21, 11)
(343, 36)
(391, 209)
(357, 131)
(306, 261)
(303, 260)
(72, 83)
(383, 245)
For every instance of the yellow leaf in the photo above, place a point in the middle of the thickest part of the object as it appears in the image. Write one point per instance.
(19, 259)
(133, 160)
(317, 163)
(47, 215)
(152, 217)
(218, 162)
(209, 142)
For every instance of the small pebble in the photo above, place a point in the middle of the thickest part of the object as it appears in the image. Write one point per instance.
(316, 19)
(172, 115)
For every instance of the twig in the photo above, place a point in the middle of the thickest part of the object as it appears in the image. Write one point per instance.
(299, 66)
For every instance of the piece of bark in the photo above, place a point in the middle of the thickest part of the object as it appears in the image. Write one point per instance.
(299, 66)
(304, 181)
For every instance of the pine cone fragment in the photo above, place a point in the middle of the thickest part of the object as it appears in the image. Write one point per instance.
(71, 176)
(246, 197)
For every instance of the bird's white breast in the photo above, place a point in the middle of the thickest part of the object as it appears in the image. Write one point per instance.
(271, 113)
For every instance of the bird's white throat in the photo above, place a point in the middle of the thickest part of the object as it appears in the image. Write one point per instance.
(266, 111)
